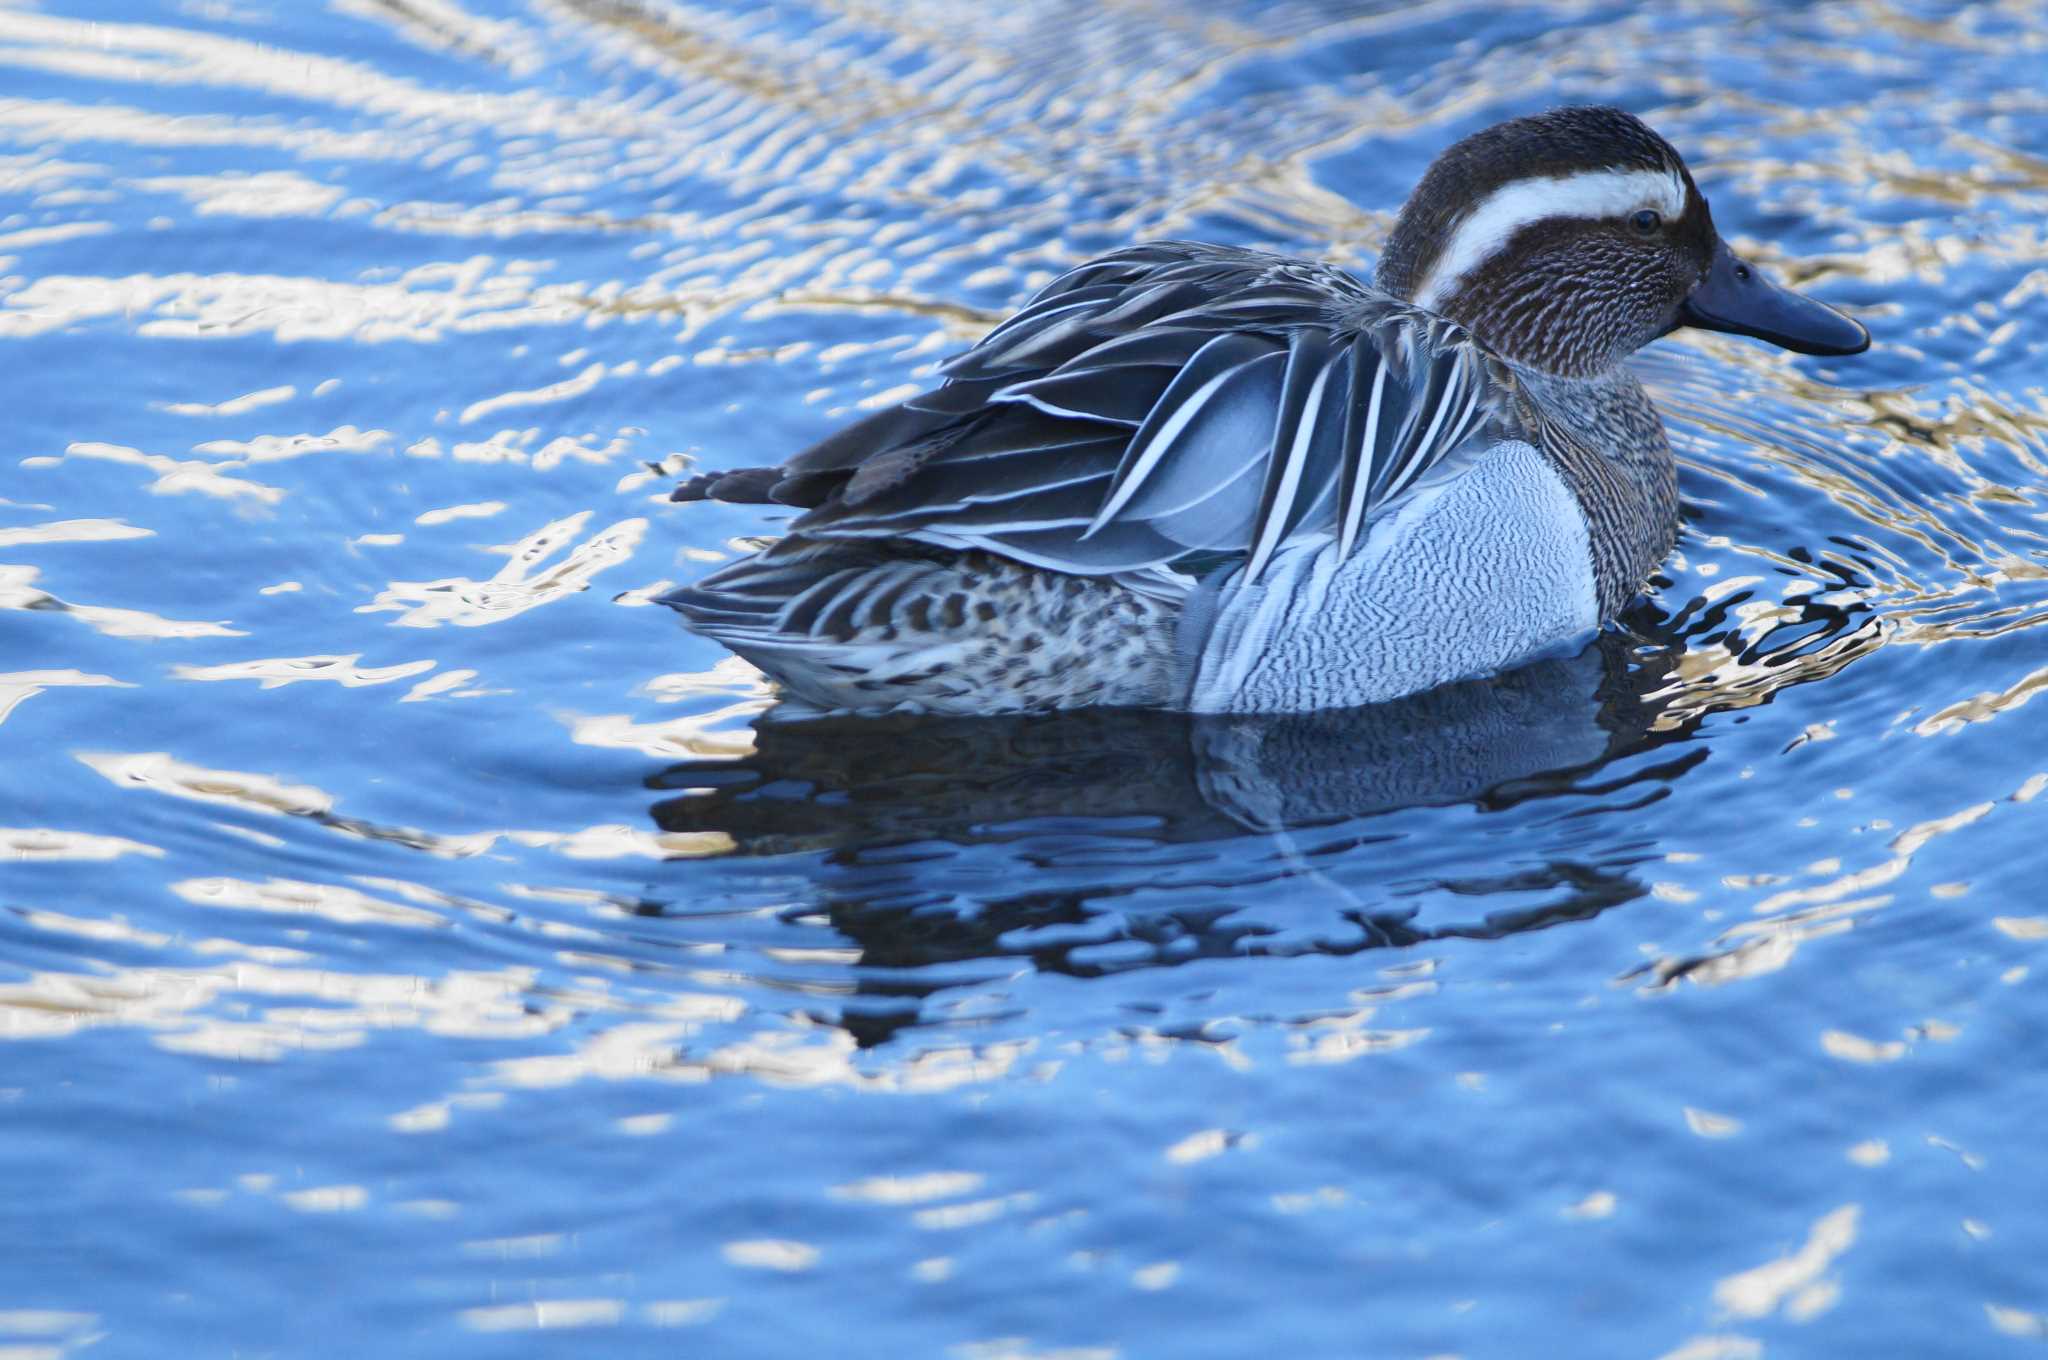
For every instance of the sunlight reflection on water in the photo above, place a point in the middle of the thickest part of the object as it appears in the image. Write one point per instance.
(377, 858)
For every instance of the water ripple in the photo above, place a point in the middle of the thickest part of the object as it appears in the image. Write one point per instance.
(374, 852)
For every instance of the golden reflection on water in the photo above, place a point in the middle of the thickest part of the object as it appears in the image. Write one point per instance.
(791, 120)
(1873, 599)
(1792, 916)
(173, 475)
(18, 592)
(1795, 1283)
(260, 1005)
(716, 734)
(526, 581)
(46, 1333)
(276, 672)
(18, 686)
(423, 304)
(21, 845)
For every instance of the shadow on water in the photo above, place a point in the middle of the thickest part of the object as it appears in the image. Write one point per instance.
(1251, 802)
(851, 784)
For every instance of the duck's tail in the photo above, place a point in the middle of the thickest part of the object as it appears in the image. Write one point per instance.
(739, 486)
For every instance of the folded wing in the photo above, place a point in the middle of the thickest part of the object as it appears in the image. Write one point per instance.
(1171, 405)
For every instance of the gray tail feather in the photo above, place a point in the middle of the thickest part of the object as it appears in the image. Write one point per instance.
(763, 595)
(744, 596)
(744, 486)
(797, 610)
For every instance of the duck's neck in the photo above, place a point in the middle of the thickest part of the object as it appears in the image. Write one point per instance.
(1584, 402)
(1604, 436)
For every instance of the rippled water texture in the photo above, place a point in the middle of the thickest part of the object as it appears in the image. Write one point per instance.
(409, 946)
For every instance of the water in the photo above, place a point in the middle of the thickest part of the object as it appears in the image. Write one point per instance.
(409, 947)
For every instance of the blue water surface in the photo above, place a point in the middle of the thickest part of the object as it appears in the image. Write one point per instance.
(411, 945)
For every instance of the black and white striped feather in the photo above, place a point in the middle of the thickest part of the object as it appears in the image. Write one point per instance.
(1171, 406)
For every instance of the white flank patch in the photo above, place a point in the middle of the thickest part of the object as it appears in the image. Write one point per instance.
(1590, 193)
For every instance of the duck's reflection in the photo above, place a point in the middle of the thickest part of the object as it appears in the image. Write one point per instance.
(883, 798)
(836, 783)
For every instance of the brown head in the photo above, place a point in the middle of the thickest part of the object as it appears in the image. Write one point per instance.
(1568, 240)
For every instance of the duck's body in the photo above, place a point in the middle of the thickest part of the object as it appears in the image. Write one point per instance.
(1199, 477)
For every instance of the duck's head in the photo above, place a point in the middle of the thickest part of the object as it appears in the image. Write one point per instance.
(1567, 240)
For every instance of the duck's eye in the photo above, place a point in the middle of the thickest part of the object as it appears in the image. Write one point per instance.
(1646, 222)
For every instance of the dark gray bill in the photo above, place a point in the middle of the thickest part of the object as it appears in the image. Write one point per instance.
(1735, 298)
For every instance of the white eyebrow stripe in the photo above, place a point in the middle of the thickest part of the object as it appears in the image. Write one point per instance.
(1505, 211)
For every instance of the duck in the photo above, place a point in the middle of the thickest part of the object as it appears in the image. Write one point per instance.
(1211, 479)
